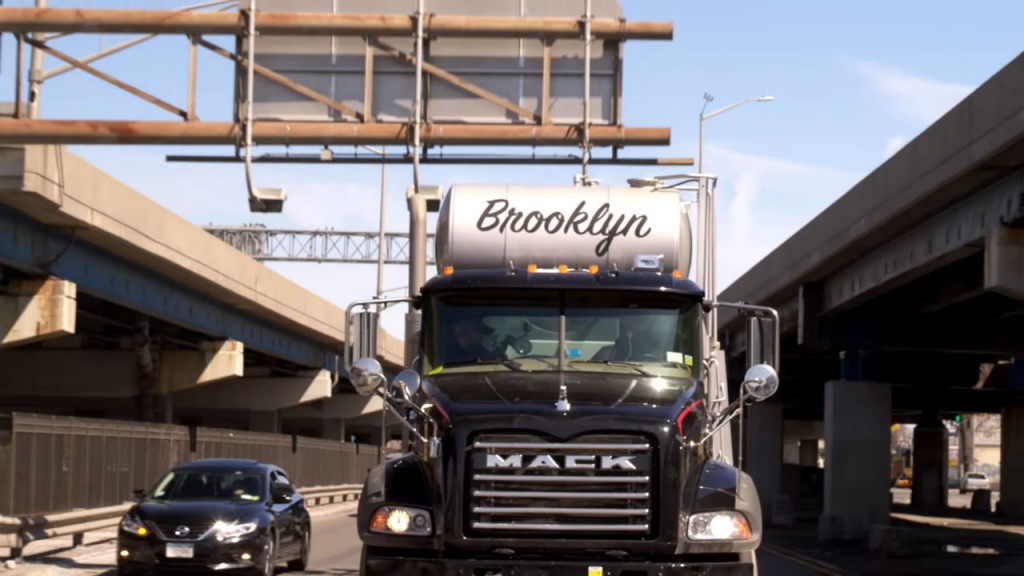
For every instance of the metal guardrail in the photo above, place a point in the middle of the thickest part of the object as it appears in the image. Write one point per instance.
(17, 532)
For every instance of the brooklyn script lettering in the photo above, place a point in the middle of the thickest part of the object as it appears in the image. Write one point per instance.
(601, 223)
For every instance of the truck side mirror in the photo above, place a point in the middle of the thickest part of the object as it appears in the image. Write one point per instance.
(405, 386)
(761, 382)
(366, 375)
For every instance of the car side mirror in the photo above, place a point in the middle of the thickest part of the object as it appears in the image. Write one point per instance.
(139, 494)
(280, 496)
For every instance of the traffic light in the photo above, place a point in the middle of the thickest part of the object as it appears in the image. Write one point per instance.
(956, 418)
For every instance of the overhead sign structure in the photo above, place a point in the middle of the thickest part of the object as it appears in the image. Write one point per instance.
(501, 72)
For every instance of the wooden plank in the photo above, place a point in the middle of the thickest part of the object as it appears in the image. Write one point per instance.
(545, 101)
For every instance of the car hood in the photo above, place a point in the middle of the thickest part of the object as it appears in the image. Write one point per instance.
(193, 512)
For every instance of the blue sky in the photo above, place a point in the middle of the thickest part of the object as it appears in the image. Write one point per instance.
(852, 81)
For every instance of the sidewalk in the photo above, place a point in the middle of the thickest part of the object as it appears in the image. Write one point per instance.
(913, 544)
(56, 556)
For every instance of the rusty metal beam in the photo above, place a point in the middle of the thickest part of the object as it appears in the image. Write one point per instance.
(545, 87)
(34, 131)
(454, 80)
(108, 78)
(368, 84)
(191, 88)
(18, 74)
(321, 24)
(282, 80)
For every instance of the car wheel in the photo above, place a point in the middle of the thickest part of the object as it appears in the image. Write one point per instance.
(299, 564)
(269, 558)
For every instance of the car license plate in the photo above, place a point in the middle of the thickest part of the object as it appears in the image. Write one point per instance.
(180, 551)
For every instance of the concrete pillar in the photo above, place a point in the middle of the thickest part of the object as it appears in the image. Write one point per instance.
(1011, 466)
(809, 452)
(929, 490)
(763, 451)
(265, 421)
(1004, 262)
(857, 418)
(37, 310)
(332, 429)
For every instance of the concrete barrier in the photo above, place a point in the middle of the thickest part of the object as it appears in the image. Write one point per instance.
(17, 532)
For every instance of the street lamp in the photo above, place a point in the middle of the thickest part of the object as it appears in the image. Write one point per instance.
(707, 99)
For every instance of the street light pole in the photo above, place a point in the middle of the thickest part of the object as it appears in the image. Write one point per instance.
(708, 99)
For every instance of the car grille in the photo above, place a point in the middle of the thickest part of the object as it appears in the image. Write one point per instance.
(167, 531)
(595, 485)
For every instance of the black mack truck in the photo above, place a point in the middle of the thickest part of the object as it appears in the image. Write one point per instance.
(567, 407)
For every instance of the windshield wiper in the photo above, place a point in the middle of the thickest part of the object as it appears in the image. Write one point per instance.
(634, 365)
(510, 364)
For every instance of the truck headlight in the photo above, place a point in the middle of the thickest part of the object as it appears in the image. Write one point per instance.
(401, 520)
(722, 525)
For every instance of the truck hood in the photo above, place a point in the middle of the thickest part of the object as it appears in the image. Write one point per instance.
(537, 392)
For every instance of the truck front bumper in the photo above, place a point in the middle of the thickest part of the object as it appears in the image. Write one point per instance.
(398, 566)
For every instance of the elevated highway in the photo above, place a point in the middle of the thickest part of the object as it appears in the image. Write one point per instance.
(901, 302)
(113, 306)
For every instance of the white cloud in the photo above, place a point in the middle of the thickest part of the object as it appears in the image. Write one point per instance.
(907, 96)
(894, 145)
(762, 201)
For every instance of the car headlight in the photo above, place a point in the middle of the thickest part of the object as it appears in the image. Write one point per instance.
(401, 520)
(132, 526)
(722, 525)
(231, 530)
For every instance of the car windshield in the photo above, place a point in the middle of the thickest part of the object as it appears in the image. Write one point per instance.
(222, 484)
(976, 476)
(611, 332)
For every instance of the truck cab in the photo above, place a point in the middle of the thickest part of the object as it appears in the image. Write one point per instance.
(559, 402)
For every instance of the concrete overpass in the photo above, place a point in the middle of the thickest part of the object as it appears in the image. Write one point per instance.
(112, 306)
(891, 300)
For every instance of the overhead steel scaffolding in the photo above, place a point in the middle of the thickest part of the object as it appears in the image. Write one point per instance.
(328, 246)
(353, 126)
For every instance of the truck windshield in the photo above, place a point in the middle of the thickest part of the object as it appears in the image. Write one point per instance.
(612, 332)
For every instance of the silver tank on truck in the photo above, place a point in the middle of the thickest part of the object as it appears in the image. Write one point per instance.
(497, 226)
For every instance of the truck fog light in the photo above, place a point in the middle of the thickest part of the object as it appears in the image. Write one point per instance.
(722, 525)
(401, 520)
(246, 557)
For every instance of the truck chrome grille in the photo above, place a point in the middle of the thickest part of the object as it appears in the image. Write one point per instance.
(592, 486)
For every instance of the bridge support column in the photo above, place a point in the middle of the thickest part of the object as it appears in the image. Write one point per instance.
(857, 417)
(332, 429)
(1011, 468)
(763, 452)
(809, 452)
(1004, 262)
(35, 310)
(265, 421)
(931, 466)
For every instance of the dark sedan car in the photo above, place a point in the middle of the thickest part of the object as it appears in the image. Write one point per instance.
(217, 515)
